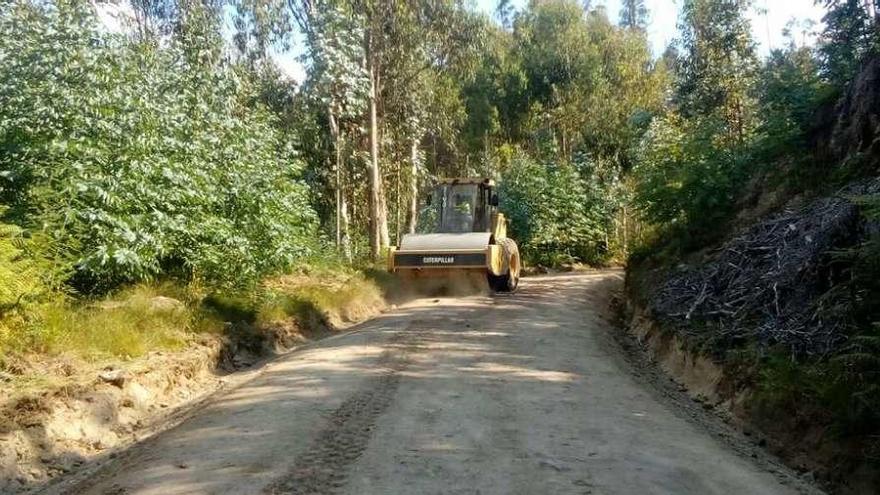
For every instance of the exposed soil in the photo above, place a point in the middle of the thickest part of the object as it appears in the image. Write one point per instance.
(538, 392)
(702, 391)
(96, 413)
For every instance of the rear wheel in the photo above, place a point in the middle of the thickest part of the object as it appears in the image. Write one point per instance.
(510, 280)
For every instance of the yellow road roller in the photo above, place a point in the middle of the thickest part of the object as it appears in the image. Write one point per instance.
(467, 239)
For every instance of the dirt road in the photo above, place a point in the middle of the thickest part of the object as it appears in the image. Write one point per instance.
(521, 394)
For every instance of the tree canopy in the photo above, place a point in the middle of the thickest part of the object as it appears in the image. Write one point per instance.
(177, 146)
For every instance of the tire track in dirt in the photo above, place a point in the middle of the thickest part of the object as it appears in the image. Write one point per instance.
(323, 467)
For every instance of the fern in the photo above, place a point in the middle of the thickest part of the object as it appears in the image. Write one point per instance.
(20, 276)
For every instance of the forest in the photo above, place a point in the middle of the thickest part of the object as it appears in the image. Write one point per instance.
(167, 153)
(176, 148)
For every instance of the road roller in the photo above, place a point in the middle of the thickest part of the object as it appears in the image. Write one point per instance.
(465, 240)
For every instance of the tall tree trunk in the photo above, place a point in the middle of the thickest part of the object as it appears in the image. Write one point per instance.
(412, 214)
(375, 177)
(397, 201)
(334, 132)
(379, 237)
(343, 241)
(344, 221)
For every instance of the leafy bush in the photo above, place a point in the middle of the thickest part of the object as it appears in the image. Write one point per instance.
(686, 179)
(142, 160)
(552, 212)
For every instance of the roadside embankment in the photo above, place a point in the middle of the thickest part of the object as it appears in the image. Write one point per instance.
(81, 379)
(772, 328)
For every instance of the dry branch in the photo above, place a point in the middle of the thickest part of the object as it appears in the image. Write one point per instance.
(767, 284)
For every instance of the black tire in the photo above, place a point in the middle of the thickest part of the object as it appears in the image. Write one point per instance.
(510, 280)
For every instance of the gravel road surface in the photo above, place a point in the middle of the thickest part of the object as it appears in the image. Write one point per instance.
(513, 394)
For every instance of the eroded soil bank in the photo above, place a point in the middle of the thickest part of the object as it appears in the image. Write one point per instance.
(100, 410)
(700, 383)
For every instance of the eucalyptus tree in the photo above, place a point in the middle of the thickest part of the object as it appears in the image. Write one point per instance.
(634, 14)
(436, 54)
(852, 30)
(138, 160)
(587, 79)
(560, 62)
(338, 80)
(406, 45)
(718, 65)
(505, 12)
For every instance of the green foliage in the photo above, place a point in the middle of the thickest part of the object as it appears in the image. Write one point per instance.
(716, 75)
(554, 214)
(21, 276)
(588, 80)
(864, 262)
(849, 35)
(686, 180)
(733, 118)
(790, 91)
(634, 14)
(141, 160)
(843, 390)
(859, 374)
(563, 87)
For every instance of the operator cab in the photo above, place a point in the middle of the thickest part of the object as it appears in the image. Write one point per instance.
(463, 205)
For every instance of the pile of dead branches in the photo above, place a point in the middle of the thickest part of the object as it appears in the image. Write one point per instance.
(774, 284)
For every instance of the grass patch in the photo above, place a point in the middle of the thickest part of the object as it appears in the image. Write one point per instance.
(166, 316)
(125, 325)
(318, 296)
(845, 397)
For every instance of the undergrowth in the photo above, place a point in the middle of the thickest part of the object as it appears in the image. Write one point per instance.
(843, 388)
(125, 324)
(168, 315)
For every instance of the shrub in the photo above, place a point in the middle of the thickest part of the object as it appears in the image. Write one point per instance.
(142, 160)
(686, 179)
(551, 211)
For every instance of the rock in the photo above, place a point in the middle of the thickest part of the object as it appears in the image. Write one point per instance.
(162, 303)
(115, 377)
(244, 360)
